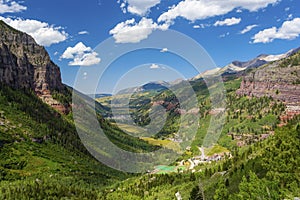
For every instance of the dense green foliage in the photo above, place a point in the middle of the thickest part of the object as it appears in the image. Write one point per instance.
(263, 169)
(291, 61)
(42, 155)
(255, 172)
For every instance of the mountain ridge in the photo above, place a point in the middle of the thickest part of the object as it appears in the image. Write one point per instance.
(42, 156)
(150, 86)
(236, 67)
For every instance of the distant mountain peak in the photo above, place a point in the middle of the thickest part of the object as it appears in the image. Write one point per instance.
(262, 56)
(150, 86)
(239, 66)
(292, 51)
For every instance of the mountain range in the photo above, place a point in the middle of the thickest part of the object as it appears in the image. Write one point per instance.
(235, 67)
(240, 66)
(42, 155)
(151, 86)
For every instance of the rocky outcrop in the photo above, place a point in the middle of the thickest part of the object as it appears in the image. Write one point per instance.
(25, 64)
(275, 80)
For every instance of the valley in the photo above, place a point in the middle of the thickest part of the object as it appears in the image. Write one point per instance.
(254, 115)
(43, 157)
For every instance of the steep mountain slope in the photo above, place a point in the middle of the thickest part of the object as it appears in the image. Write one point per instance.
(265, 170)
(41, 153)
(40, 147)
(280, 79)
(264, 162)
(249, 118)
(25, 64)
(42, 156)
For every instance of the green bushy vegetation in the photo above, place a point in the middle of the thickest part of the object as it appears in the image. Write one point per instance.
(42, 155)
(291, 61)
(245, 116)
(268, 169)
(264, 170)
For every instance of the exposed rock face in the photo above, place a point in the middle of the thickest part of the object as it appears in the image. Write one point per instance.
(23, 63)
(281, 83)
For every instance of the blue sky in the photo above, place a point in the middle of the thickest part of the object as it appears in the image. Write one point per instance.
(227, 30)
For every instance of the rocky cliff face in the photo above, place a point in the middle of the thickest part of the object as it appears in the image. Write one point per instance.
(280, 80)
(25, 64)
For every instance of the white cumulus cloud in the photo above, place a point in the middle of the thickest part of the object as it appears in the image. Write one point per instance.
(228, 22)
(164, 50)
(8, 6)
(138, 7)
(132, 32)
(123, 7)
(248, 28)
(43, 33)
(81, 55)
(290, 16)
(288, 31)
(154, 66)
(197, 26)
(83, 32)
(196, 10)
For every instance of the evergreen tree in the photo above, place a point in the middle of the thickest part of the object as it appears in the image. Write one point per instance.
(196, 194)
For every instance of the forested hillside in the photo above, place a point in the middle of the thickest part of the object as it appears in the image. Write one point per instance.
(261, 131)
(42, 156)
(266, 169)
